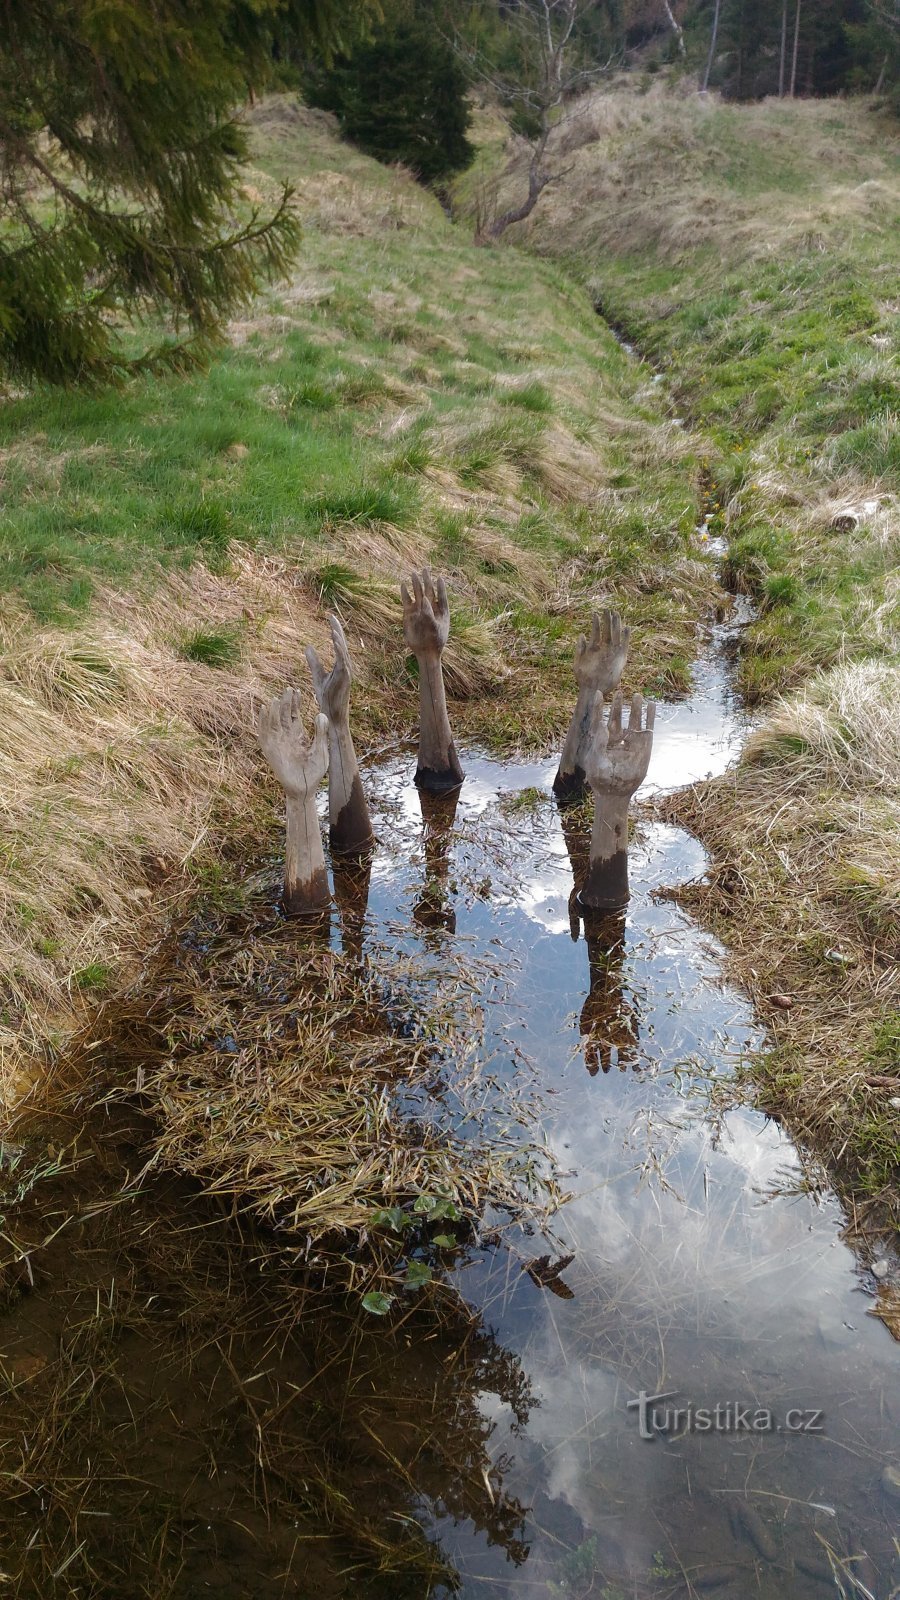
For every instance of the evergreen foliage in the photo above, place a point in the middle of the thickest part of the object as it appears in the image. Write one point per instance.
(120, 159)
(402, 97)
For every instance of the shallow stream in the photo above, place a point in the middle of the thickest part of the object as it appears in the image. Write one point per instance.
(291, 1447)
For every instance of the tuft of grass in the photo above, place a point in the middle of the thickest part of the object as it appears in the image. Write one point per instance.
(93, 978)
(366, 503)
(205, 523)
(415, 455)
(533, 396)
(495, 444)
(211, 647)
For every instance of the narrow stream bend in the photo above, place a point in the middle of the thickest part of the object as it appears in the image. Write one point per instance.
(504, 1454)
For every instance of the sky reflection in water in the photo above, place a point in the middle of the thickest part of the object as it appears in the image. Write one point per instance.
(699, 1266)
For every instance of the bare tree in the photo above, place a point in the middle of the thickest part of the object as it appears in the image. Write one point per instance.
(542, 98)
(782, 63)
(796, 49)
(712, 47)
(675, 25)
(887, 12)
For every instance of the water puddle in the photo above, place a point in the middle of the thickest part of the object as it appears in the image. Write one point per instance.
(255, 1438)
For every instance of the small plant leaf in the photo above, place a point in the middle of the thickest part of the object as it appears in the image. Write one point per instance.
(393, 1217)
(376, 1302)
(417, 1274)
(434, 1209)
(445, 1240)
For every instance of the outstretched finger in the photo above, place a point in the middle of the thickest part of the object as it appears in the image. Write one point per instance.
(442, 604)
(318, 747)
(597, 726)
(580, 648)
(264, 719)
(405, 597)
(596, 631)
(427, 583)
(296, 705)
(651, 715)
(284, 709)
(317, 671)
(339, 641)
(615, 716)
(624, 636)
(635, 714)
(418, 589)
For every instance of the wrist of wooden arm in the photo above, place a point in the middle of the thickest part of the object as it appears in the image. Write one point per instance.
(438, 762)
(305, 877)
(570, 779)
(606, 885)
(350, 826)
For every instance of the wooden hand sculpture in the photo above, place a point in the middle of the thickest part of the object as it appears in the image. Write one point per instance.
(616, 765)
(426, 628)
(350, 827)
(299, 765)
(599, 665)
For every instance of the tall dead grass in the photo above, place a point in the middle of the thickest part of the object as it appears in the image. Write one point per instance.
(665, 169)
(805, 889)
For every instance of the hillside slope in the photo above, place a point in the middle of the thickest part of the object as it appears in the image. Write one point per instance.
(168, 551)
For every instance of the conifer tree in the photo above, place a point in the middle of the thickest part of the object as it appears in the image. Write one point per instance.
(402, 97)
(120, 163)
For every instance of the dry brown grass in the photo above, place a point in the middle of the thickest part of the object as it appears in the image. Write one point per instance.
(126, 770)
(805, 889)
(314, 1087)
(644, 171)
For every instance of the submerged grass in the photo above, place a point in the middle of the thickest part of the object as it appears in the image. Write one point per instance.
(324, 1091)
(176, 1387)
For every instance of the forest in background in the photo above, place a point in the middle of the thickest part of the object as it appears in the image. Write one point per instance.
(745, 49)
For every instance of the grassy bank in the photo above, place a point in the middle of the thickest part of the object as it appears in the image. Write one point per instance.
(169, 550)
(751, 252)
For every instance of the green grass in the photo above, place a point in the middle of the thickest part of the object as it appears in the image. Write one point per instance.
(405, 352)
(211, 647)
(751, 252)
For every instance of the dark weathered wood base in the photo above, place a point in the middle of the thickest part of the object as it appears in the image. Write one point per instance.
(570, 787)
(441, 780)
(606, 886)
(307, 899)
(352, 833)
